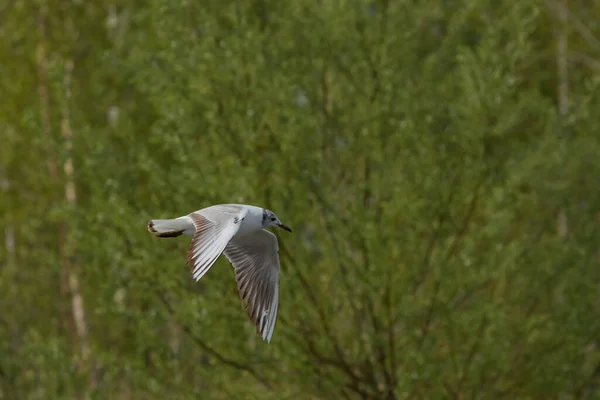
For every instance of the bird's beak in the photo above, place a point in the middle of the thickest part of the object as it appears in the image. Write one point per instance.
(285, 228)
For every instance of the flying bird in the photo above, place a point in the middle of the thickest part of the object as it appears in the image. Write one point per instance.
(238, 231)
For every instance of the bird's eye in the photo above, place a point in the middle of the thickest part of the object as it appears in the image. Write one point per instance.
(272, 218)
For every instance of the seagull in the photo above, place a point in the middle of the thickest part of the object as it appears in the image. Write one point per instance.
(238, 231)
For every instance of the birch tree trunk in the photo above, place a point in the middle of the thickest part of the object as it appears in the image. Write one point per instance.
(9, 232)
(69, 246)
(46, 128)
(563, 91)
(75, 318)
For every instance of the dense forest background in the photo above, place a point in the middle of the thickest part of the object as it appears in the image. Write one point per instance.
(438, 161)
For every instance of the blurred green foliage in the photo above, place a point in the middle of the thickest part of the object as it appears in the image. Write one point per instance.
(445, 209)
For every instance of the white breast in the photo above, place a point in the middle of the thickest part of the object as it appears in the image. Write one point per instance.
(252, 222)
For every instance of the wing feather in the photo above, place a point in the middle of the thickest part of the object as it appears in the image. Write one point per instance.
(255, 258)
(215, 226)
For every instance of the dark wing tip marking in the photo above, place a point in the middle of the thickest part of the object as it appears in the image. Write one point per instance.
(151, 227)
(170, 234)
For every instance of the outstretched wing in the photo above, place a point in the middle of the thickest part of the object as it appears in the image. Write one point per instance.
(255, 258)
(215, 226)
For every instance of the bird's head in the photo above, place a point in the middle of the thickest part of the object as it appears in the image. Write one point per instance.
(270, 219)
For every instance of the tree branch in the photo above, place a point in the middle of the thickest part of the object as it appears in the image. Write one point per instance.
(200, 343)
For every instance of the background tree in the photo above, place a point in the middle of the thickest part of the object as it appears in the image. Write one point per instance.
(438, 163)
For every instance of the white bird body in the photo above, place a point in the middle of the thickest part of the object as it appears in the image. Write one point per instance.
(236, 230)
(252, 222)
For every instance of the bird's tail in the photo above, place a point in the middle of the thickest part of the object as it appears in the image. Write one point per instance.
(171, 227)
